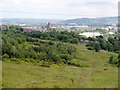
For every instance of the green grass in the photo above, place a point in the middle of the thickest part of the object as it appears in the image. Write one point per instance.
(98, 74)
(0, 74)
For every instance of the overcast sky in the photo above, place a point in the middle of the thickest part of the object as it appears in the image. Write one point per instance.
(58, 9)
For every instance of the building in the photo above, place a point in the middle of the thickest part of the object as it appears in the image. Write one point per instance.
(90, 34)
(110, 33)
(48, 26)
(33, 28)
(26, 29)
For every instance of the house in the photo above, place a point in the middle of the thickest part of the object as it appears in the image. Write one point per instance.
(25, 29)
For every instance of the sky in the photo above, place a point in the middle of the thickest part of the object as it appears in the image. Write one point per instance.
(58, 9)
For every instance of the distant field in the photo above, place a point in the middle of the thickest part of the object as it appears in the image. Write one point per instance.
(95, 73)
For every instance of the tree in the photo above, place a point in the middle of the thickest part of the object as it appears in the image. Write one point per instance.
(111, 40)
(103, 45)
(96, 47)
(111, 59)
(74, 41)
(91, 44)
(63, 38)
(118, 60)
(114, 60)
(51, 43)
(109, 47)
(116, 46)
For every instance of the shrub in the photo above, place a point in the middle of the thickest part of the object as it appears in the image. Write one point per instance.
(74, 64)
(45, 64)
(96, 47)
(111, 59)
(74, 41)
(90, 48)
(15, 60)
(51, 43)
(5, 56)
(66, 57)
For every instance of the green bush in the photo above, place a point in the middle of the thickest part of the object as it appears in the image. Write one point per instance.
(33, 46)
(45, 64)
(74, 64)
(113, 60)
(66, 57)
(15, 60)
(51, 43)
(74, 41)
(5, 56)
(96, 47)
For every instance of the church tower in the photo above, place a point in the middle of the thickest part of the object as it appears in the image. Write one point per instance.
(48, 26)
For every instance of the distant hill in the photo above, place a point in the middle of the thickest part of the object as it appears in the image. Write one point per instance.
(79, 21)
(27, 21)
(92, 21)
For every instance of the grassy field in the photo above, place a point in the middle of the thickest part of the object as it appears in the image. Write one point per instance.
(0, 74)
(95, 73)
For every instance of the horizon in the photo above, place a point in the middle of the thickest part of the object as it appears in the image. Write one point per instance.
(64, 19)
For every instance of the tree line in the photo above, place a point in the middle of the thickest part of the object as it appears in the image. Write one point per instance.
(110, 44)
(55, 35)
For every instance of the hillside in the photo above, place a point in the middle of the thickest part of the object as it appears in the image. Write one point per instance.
(81, 21)
(46, 59)
(95, 73)
(92, 21)
(27, 21)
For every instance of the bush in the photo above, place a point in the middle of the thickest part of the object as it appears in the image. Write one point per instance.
(5, 56)
(90, 48)
(51, 43)
(74, 64)
(113, 60)
(96, 47)
(45, 64)
(66, 57)
(91, 44)
(74, 41)
(15, 60)
(55, 58)
(35, 45)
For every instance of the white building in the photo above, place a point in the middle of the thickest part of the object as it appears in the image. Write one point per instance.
(110, 33)
(91, 34)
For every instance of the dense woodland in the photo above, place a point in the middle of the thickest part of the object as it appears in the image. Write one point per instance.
(54, 46)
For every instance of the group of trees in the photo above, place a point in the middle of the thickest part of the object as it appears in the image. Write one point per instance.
(111, 44)
(54, 35)
(53, 46)
(115, 60)
(17, 44)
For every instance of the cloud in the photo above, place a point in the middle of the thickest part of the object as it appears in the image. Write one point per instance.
(61, 9)
(91, 4)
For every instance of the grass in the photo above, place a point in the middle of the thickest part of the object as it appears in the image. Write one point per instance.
(0, 74)
(98, 73)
